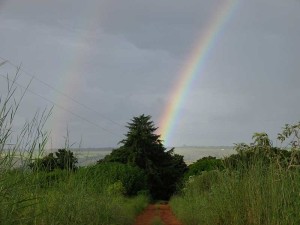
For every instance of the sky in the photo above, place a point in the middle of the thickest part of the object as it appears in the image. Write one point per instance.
(102, 62)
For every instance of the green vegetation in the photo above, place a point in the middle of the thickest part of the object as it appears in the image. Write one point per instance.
(143, 148)
(60, 197)
(63, 159)
(204, 164)
(51, 189)
(258, 185)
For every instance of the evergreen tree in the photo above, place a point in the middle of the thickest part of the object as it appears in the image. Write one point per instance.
(143, 148)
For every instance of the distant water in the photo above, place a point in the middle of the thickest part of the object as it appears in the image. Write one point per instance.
(89, 156)
(191, 154)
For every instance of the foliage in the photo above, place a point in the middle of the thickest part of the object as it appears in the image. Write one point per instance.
(63, 159)
(291, 135)
(259, 185)
(263, 150)
(131, 178)
(261, 195)
(144, 149)
(65, 198)
(204, 164)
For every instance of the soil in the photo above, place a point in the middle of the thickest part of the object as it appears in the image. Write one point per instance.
(163, 211)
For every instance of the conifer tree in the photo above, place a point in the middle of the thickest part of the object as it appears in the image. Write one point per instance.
(142, 147)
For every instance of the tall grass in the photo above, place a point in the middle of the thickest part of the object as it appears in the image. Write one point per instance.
(59, 197)
(260, 194)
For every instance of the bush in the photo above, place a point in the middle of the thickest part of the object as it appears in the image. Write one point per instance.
(63, 159)
(204, 164)
(132, 178)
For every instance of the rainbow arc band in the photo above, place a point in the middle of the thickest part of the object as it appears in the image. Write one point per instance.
(194, 68)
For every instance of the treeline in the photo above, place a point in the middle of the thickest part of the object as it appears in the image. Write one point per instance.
(257, 185)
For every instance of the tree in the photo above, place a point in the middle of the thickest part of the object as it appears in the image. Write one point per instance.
(143, 148)
(66, 159)
(263, 150)
(47, 163)
(63, 159)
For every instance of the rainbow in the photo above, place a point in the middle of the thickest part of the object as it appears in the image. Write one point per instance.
(72, 75)
(193, 69)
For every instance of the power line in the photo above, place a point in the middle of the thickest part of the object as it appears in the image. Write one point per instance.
(3, 63)
(61, 107)
(58, 91)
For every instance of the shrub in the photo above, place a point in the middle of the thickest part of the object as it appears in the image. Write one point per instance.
(132, 178)
(63, 159)
(204, 164)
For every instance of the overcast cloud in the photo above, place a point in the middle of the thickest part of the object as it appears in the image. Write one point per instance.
(122, 58)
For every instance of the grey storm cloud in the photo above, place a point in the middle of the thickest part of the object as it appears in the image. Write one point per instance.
(119, 59)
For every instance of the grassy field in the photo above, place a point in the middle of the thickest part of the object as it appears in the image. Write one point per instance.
(260, 184)
(260, 196)
(61, 197)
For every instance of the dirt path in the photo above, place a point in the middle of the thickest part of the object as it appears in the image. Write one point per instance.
(162, 211)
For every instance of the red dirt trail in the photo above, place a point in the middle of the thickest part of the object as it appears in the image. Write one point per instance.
(163, 211)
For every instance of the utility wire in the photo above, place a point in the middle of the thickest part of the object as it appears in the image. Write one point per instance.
(2, 63)
(57, 90)
(61, 107)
